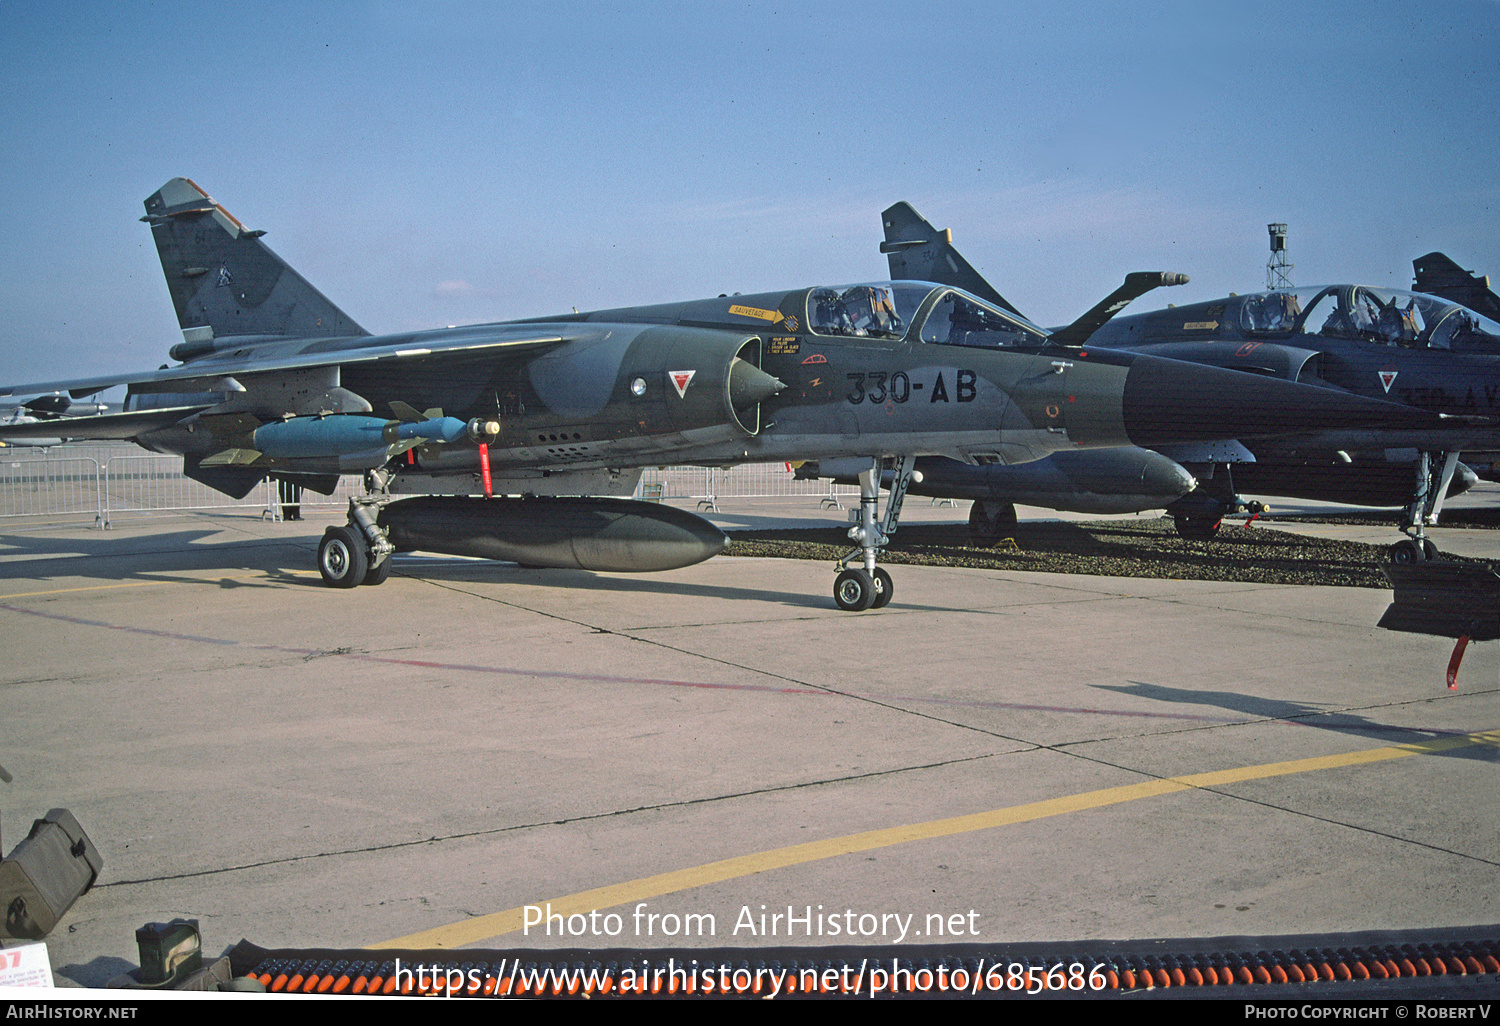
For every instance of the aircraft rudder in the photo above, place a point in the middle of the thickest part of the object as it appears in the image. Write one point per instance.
(901, 220)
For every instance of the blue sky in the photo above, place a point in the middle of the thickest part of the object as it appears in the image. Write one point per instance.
(438, 163)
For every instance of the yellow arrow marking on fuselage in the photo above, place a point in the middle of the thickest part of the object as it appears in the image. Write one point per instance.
(750, 311)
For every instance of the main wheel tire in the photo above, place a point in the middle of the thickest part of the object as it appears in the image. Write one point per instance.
(1198, 528)
(342, 558)
(988, 521)
(378, 572)
(884, 589)
(853, 590)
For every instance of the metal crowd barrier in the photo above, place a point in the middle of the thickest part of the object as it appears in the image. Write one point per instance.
(139, 486)
(706, 485)
(109, 482)
(36, 485)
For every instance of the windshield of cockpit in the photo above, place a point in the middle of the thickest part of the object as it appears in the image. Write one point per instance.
(880, 310)
(959, 319)
(1379, 316)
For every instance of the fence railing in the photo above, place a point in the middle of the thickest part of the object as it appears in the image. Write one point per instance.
(110, 482)
(706, 485)
(51, 486)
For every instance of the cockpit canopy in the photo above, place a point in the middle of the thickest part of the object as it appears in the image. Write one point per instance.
(939, 315)
(863, 311)
(1381, 316)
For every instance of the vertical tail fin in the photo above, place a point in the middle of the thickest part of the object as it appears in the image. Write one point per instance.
(920, 252)
(225, 282)
(1438, 275)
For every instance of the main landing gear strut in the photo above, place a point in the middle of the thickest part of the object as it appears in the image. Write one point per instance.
(1434, 475)
(868, 586)
(356, 553)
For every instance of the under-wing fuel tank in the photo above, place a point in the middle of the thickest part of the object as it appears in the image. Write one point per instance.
(609, 535)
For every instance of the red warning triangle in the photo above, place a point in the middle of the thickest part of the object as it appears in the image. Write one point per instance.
(680, 381)
(1387, 378)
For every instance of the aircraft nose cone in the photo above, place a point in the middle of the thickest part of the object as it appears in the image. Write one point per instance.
(1168, 401)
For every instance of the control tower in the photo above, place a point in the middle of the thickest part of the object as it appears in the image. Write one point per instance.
(1278, 271)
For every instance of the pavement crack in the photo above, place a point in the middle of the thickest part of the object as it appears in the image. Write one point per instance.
(566, 821)
(325, 653)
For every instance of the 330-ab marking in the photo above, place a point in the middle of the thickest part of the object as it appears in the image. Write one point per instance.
(882, 386)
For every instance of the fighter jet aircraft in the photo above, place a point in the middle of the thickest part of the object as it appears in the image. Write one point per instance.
(53, 410)
(1380, 343)
(509, 434)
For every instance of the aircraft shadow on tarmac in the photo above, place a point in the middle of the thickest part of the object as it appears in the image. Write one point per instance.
(1302, 714)
(439, 569)
(1471, 517)
(1467, 516)
(116, 558)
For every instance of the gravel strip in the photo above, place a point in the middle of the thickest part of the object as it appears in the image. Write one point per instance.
(1106, 548)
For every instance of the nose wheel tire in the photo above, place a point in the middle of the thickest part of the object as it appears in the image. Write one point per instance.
(342, 558)
(854, 590)
(884, 589)
(1411, 550)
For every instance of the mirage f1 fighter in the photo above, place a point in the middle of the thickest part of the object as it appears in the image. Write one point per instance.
(516, 440)
(1417, 349)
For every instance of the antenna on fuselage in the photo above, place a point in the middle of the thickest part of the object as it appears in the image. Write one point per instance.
(1278, 270)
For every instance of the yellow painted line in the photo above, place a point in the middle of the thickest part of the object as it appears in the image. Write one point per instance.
(471, 931)
(147, 584)
(90, 587)
(1322, 762)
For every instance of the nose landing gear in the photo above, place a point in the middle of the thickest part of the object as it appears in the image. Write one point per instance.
(1426, 504)
(857, 588)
